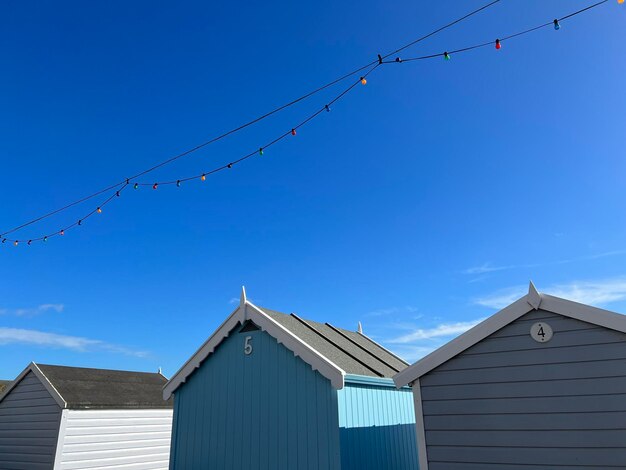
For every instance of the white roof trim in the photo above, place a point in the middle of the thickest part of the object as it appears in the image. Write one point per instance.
(532, 301)
(32, 367)
(248, 311)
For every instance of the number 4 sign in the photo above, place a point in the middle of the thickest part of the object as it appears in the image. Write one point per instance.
(541, 332)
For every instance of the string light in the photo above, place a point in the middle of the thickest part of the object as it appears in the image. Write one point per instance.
(29, 242)
(80, 222)
(16, 243)
(362, 80)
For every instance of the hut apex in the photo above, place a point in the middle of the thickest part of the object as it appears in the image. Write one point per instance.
(359, 328)
(540, 385)
(293, 392)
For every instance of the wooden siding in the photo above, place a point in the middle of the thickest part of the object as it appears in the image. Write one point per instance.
(29, 426)
(267, 410)
(511, 403)
(377, 428)
(115, 439)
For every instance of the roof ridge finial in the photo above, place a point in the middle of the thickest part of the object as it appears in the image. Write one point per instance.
(243, 299)
(533, 297)
(359, 328)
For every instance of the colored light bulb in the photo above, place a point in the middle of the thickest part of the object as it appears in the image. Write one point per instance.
(136, 186)
(446, 56)
(261, 151)
(327, 108)
(363, 81)
(620, 1)
(203, 177)
(155, 185)
(117, 193)
(29, 242)
(45, 239)
(293, 132)
(178, 184)
(62, 232)
(230, 165)
(16, 243)
(498, 45)
(99, 210)
(80, 222)
(557, 26)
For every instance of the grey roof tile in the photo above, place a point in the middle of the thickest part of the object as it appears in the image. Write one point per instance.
(84, 388)
(363, 358)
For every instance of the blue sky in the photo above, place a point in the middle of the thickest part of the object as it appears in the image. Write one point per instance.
(423, 202)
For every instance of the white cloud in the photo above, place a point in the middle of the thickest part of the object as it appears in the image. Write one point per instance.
(599, 292)
(592, 292)
(383, 312)
(444, 330)
(486, 268)
(53, 340)
(502, 297)
(30, 312)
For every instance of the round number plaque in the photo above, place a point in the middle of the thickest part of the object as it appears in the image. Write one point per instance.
(541, 332)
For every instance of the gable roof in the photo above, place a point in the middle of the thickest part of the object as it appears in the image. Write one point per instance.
(332, 351)
(84, 388)
(531, 301)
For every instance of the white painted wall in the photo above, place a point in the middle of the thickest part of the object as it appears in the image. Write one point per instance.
(114, 439)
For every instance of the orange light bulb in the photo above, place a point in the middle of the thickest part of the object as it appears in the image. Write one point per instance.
(363, 81)
(203, 177)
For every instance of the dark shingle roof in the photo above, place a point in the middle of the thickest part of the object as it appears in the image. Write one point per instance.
(4, 384)
(101, 389)
(351, 351)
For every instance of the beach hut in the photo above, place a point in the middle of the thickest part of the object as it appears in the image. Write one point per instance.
(539, 385)
(70, 418)
(274, 391)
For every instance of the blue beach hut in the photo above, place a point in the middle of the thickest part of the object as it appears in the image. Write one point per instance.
(274, 391)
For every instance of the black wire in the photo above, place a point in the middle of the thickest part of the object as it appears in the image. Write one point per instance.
(374, 65)
(442, 28)
(117, 193)
(254, 121)
(505, 38)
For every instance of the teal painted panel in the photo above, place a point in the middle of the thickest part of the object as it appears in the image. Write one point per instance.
(268, 411)
(362, 405)
(377, 427)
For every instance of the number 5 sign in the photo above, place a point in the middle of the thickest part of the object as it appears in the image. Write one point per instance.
(541, 332)
(247, 346)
